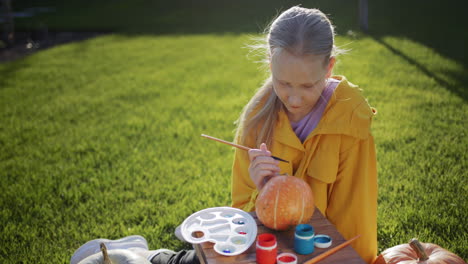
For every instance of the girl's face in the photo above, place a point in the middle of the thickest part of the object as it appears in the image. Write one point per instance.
(298, 81)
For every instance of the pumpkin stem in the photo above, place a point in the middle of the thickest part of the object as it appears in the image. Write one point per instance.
(105, 255)
(419, 249)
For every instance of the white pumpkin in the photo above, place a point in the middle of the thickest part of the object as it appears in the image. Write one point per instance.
(114, 256)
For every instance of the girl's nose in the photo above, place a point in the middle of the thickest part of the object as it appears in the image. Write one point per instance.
(294, 100)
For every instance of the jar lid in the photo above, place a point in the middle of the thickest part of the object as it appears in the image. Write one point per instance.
(322, 241)
(266, 240)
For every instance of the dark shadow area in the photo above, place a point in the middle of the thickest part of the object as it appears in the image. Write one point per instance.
(27, 43)
(461, 80)
(437, 24)
(143, 17)
(176, 16)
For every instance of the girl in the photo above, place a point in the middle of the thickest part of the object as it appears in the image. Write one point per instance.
(318, 122)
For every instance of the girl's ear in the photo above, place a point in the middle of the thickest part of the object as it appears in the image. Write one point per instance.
(330, 66)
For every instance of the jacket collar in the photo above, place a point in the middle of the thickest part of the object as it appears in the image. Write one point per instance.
(347, 112)
(284, 132)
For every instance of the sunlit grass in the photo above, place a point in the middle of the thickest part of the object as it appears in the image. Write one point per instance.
(101, 139)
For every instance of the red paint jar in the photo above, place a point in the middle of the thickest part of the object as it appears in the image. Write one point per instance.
(266, 249)
(287, 258)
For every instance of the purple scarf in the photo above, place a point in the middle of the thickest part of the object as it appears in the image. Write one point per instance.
(307, 124)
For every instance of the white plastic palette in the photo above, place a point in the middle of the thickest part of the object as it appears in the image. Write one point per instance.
(231, 229)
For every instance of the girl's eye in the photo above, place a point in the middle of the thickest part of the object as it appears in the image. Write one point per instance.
(282, 83)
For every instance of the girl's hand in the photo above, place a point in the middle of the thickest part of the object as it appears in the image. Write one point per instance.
(262, 166)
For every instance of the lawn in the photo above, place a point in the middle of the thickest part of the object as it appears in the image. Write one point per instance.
(101, 138)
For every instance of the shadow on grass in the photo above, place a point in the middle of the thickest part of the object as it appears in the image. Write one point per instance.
(438, 25)
(461, 80)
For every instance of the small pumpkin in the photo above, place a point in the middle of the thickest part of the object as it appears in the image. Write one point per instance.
(416, 252)
(284, 202)
(114, 256)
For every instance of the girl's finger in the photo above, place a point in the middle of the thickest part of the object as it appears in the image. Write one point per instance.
(264, 160)
(265, 166)
(262, 151)
(253, 153)
(259, 171)
(262, 177)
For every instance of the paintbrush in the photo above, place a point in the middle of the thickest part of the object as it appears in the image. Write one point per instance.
(331, 251)
(237, 146)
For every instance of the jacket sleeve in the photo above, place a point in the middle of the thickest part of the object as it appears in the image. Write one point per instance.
(352, 203)
(243, 190)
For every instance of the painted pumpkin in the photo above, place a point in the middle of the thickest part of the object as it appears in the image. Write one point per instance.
(418, 253)
(284, 202)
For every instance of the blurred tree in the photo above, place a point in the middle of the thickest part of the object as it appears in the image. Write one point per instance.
(8, 35)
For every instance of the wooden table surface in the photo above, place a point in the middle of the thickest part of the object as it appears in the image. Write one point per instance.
(285, 241)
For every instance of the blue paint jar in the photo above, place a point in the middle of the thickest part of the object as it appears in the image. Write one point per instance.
(304, 239)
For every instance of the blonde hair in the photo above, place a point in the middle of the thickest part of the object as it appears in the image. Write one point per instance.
(300, 31)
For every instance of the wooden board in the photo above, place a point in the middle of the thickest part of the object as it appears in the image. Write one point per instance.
(348, 255)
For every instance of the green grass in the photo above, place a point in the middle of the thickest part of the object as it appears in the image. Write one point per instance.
(100, 138)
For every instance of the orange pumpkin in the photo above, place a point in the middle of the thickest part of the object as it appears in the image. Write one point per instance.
(284, 202)
(418, 253)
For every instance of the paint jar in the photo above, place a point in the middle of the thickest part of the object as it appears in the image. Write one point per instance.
(304, 239)
(286, 258)
(267, 249)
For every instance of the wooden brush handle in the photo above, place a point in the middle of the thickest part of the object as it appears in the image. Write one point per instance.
(237, 146)
(225, 142)
(331, 251)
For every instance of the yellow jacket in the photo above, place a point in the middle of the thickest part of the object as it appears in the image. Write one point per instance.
(337, 160)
